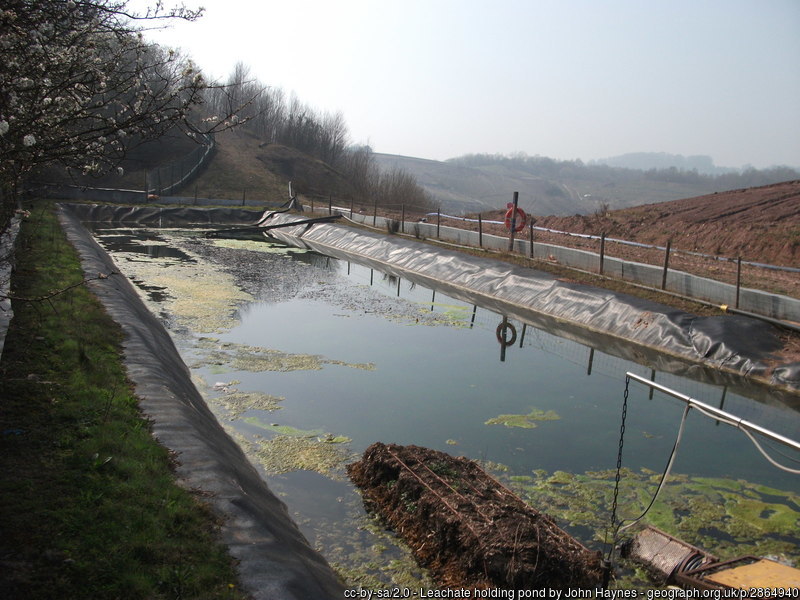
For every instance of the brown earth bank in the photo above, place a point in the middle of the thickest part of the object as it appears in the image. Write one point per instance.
(759, 224)
(466, 527)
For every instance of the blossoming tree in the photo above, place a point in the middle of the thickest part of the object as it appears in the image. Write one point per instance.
(79, 86)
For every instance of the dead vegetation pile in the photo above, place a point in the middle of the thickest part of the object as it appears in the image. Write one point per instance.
(467, 528)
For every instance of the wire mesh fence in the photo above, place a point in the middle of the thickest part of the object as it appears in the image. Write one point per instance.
(167, 178)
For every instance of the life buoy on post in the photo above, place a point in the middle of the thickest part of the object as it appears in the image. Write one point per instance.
(519, 222)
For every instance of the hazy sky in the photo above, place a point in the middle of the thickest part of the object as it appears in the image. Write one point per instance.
(565, 79)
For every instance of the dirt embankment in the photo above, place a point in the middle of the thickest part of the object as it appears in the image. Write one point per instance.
(759, 224)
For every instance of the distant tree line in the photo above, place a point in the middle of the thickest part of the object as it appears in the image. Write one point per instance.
(577, 170)
(277, 119)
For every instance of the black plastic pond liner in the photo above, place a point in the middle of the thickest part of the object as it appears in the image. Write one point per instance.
(275, 560)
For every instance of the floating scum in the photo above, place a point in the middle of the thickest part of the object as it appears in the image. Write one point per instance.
(159, 373)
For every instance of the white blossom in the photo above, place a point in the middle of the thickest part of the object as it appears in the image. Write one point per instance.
(3, 127)
(29, 140)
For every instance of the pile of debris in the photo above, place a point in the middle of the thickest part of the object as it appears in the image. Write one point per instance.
(466, 527)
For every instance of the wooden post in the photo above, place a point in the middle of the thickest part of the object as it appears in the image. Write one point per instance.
(244, 195)
(402, 218)
(480, 231)
(375, 213)
(738, 280)
(438, 220)
(602, 250)
(330, 205)
(666, 266)
(513, 222)
(351, 209)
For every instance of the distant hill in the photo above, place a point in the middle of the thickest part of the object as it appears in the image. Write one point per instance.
(645, 161)
(550, 187)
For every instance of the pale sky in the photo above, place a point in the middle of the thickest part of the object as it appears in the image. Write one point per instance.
(565, 79)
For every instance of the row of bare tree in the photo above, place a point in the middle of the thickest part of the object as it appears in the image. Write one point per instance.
(269, 114)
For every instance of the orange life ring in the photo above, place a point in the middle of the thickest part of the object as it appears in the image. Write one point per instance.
(520, 221)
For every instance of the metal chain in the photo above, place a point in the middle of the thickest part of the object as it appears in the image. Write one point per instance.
(614, 525)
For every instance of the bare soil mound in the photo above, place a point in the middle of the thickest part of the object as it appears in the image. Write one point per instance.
(467, 528)
(759, 224)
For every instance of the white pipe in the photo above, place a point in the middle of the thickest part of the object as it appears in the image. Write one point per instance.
(718, 414)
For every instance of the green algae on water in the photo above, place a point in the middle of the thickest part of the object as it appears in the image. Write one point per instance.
(257, 246)
(524, 421)
(286, 453)
(726, 517)
(255, 359)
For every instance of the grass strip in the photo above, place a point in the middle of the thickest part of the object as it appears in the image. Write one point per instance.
(89, 504)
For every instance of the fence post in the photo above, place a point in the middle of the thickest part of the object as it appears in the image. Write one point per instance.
(330, 205)
(480, 231)
(244, 195)
(738, 280)
(375, 213)
(602, 250)
(513, 222)
(351, 209)
(530, 234)
(402, 218)
(666, 266)
(438, 220)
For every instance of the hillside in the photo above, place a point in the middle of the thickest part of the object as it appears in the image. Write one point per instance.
(550, 187)
(759, 224)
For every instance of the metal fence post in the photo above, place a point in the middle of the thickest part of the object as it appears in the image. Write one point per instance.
(530, 235)
(666, 266)
(738, 279)
(602, 250)
(513, 222)
(480, 231)
(438, 220)
(402, 218)
(375, 213)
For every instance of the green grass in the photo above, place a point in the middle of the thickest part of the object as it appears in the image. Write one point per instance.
(89, 505)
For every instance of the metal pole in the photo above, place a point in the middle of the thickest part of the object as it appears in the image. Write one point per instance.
(726, 417)
(375, 213)
(530, 234)
(403, 218)
(480, 231)
(513, 222)
(602, 250)
(330, 205)
(738, 279)
(666, 266)
(438, 220)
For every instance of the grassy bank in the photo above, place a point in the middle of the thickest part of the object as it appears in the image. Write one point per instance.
(89, 507)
